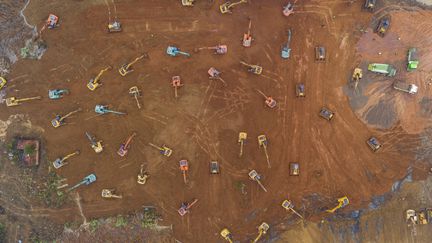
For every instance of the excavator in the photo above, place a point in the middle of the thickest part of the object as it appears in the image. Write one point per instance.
(247, 37)
(86, 181)
(135, 92)
(226, 234)
(127, 68)
(253, 175)
(370, 5)
(164, 150)
(286, 50)
(288, 9)
(343, 201)
(357, 75)
(218, 50)
(61, 161)
(59, 120)
(94, 82)
(188, 3)
(184, 167)
(287, 204)
(215, 74)
(262, 230)
(185, 206)
(262, 142)
(176, 83)
(174, 51)
(96, 145)
(269, 101)
(226, 7)
(103, 109)
(56, 94)
(110, 193)
(255, 69)
(13, 101)
(114, 26)
(142, 176)
(124, 147)
(2, 82)
(241, 140)
(50, 23)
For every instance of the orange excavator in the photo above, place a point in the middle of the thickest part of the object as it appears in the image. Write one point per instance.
(247, 37)
(184, 167)
(185, 206)
(176, 83)
(124, 147)
(269, 101)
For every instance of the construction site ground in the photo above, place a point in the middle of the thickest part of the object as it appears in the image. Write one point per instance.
(203, 123)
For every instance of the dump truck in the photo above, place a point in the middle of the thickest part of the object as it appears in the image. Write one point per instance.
(413, 61)
(386, 69)
(404, 87)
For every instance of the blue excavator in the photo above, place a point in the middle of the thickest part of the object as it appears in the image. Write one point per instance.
(56, 94)
(103, 109)
(86, 181)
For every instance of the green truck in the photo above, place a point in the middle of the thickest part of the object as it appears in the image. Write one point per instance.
(386, 69)
(413, 61)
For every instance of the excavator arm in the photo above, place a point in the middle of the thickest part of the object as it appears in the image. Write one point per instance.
(96, 79)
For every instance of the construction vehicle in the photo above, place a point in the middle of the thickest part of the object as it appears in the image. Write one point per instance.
(370, 5)
(187, 3)
(86, 181)
(253, 175)
(142, 176)
(185, 206)
(320, 54)
(294, 169)
(59, 120)
(214, 167)
(52, 21)
(227, 6)
(124, 147)
(413, 60)
(386, 69)
(286, 50)
(326, 114)
(176, 83)
(2, 82)
(174, 51)
(103, 109)
(94, 82)
(125, 69)
(404, 87)
(247, 37)
(242, 140)
(218, 50)
(61, 161)
(422, 216)
(262, 142)
(96, 145)
(300, 90)
(184, 167)
(226, 234)
(109, 193)
(383, 26)
(343, 201)
(262, 230)
(255, 69)
(56, 94)
(135, 92)
(13, 101)
(114, 26)
(269, 101)
(164, 150)
(357, 75)
(287, 204)
(215, 74)
(374, 144)
(288, 9)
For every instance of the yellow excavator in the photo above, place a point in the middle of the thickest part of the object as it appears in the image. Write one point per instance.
(262, 230)
(127, 68)
(226, 234)
(357, 75)
(13, 101)
(343, 201)
(94, 82)
(188, 3)
(59, 119)
(226, 7)
(2, 82)
(241, 140)
(255, 69)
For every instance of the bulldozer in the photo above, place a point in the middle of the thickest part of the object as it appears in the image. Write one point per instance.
(110, 193)
(184, 167)
(175, 51)
(164, 150)
(13, 101)
(262, 230)
(215, 74)
(96, 145)
(300, 90)
(86, 181)
(125, 69)
(247, 37)
(374, 144)
(218, 50)
(124, 147)
(255, 69)
(103, 109)
(187, 3)
(242, 140)
(56, 94)
(142, 176)
(320, 54)
(262, 142)
(326, 114)
(176, 83)
(135, 92)
(185, 206)
(287, 204)
(114, 26)
(61, 161)
(94, 82)
(269, 101)
(294, 169)
(342, 202)
(226, 234)
(227, 6)
(253, 175)
(59, 120)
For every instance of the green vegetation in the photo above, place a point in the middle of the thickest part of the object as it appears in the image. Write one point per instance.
(149, 219)
(2, 233)
(29, 149)
(49, 193)
(120, 221)
(94, 224)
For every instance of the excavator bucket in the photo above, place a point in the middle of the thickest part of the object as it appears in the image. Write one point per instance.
(114, 27)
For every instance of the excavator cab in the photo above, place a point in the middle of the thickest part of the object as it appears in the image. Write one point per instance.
(188, 3)
(262, 140)
(2, 82)
(270, 102)
(226, 234)
(226, 7)
(96, 145)
(184, 167)
(320, 54)
(109, 193)
(343, 201)
(114, 27)
(56, 94)
(214, 73)
(294, 169)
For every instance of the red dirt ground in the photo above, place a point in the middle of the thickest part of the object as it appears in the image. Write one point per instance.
(203, 124)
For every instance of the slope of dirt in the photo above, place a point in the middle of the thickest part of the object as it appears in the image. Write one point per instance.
(203, 123)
